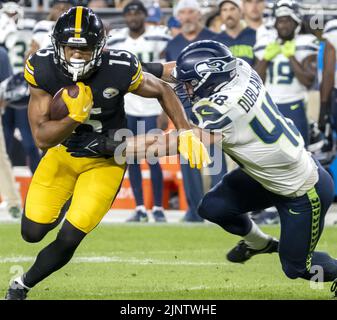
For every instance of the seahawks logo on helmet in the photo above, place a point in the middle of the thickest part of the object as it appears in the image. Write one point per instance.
(210, 65)
(215, 65)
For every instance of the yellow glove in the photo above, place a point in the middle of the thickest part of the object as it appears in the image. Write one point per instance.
(79, 107)
(192, 149)
(289, 48)
(271, 51)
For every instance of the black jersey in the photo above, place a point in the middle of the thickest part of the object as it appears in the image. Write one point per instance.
(119, 73)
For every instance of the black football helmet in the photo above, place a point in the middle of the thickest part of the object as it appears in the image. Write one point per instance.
(79, 27)
(14, 90)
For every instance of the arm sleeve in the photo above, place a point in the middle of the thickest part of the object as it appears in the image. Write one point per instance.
(154, 68)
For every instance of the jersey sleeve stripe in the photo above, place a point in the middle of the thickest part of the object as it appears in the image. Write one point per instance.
(30, 71)
(115, 41)
(156, 38)
(30, 78)
(307, 48)
(40, 30)
(330, 29)
(29, 65)
(136, 75)
(259, 48)
(136, 84)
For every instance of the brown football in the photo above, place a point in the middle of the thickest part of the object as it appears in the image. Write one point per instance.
(58, 109)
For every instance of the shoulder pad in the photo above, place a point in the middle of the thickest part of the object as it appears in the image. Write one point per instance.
(330, 26)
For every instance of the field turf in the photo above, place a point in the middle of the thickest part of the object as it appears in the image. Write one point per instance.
(178, 261)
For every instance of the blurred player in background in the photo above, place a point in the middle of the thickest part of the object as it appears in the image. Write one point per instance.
(77, 55)
(17, 42)
(287, 64)
(11, 200)
(43, 29)
(328, 88)
(148, 44)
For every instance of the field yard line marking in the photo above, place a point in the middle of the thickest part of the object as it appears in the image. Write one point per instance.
(106, 259)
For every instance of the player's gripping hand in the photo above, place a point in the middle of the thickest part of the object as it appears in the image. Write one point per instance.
(92, 145)
(193, 150)
(289, 48)
(271, 51)
(79, 107)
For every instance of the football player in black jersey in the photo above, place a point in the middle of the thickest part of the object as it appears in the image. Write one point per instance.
(93, 183)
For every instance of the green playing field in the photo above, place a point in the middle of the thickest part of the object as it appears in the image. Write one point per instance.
(177, 261)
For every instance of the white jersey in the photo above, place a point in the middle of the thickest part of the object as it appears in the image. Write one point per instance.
(18, 43)
(330, 34)
(42, 32)
(256, 135)
(7, 26)
(147, 48)
(281, 82)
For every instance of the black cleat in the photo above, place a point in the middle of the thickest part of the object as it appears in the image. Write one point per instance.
(16, 292)
(241, 252)
(334, 288)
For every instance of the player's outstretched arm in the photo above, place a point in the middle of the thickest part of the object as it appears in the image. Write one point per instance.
(189, 146)
(46, 133)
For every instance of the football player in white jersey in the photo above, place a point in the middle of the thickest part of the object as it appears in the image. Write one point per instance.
(286, 62)
(148, 43)
(43, 29)
(231, 105)
(328, 87)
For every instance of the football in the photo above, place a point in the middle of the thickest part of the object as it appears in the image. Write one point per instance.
(58, 109)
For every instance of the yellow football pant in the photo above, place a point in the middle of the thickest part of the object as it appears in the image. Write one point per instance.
(93, 183)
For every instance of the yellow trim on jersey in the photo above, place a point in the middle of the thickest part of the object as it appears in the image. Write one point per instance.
(136, 79)
(29, 65)
(78, 22)
(30, 77)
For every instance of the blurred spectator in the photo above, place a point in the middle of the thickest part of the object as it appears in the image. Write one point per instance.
(154, 15)
(239, 38)
(213, 22)
(174, 26)
(147, 42)
(11, 201)
(188, 13)
(253, 12)
(97, 4)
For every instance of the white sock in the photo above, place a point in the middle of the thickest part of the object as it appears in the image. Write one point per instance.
(20, 282)
(256, 238)
(141, 208)
(155, 208)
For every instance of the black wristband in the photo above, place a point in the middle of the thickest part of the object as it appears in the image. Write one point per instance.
(154, 68)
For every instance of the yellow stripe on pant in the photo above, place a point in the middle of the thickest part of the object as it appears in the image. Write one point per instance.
(93, 183)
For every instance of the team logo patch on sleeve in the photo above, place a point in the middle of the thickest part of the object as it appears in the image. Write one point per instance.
(109, 93)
